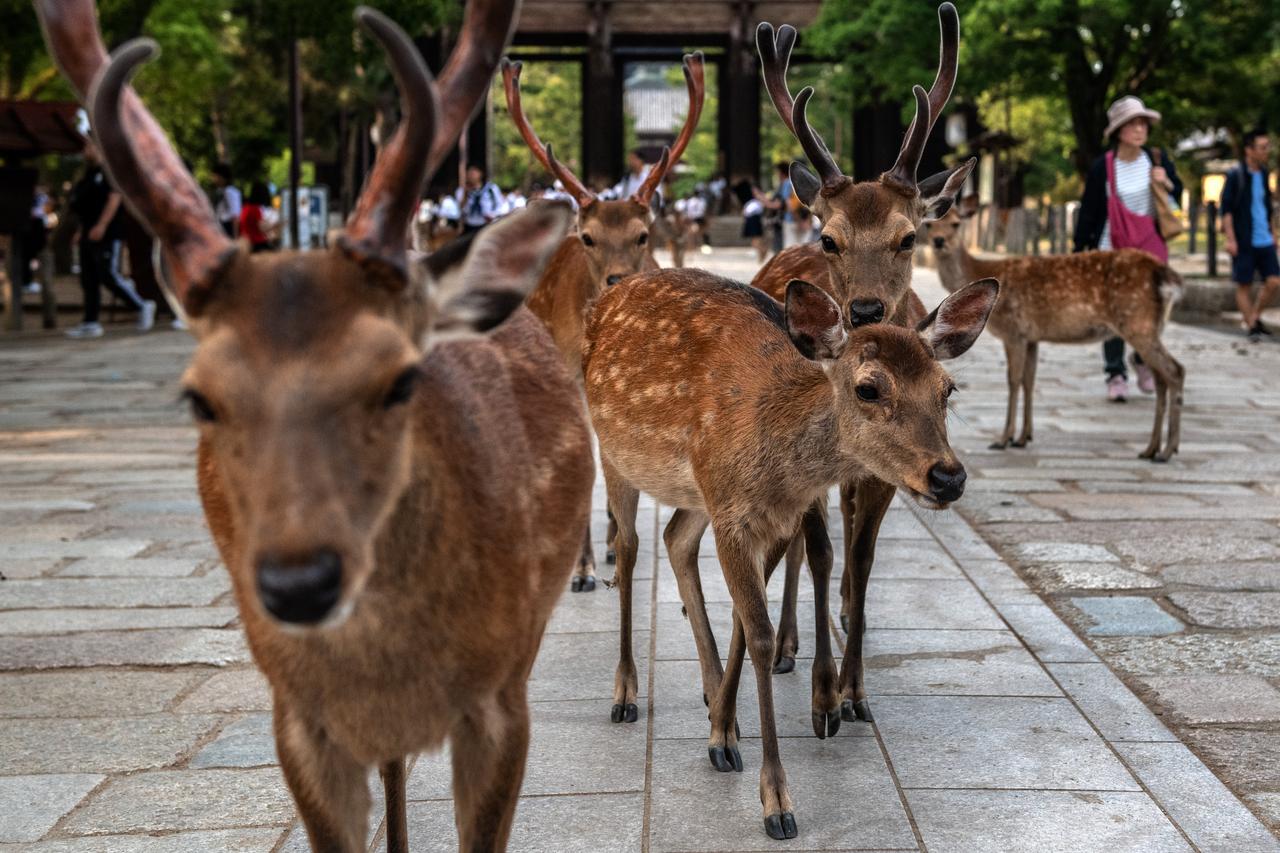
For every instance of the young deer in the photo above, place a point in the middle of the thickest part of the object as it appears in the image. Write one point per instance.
(1072, 299)
(613, 241)
(863, 261)
(397, 518)
(740, 412)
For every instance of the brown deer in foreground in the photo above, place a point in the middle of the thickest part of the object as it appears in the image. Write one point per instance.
(1072, 299)
(740, 412)
(612, 242)
(863, 261)
(397, 517)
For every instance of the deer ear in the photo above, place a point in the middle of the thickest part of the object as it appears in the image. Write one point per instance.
(955, 324)
(813, 322)
(805, 183)
(940, 191)
(502, 266)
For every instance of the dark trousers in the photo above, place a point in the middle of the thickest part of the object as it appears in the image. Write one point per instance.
(99, 268)
(1113, 355)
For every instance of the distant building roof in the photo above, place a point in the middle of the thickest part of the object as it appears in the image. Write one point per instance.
(32, 128)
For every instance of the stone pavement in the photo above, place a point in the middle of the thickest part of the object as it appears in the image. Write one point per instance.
(133, 719)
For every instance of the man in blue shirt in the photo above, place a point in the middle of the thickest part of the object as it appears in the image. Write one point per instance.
(1246, 219)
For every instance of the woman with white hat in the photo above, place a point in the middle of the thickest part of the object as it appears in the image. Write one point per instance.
(1120, 186)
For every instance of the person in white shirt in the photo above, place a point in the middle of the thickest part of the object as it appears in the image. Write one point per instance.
(695, 210)
(228, 200)
(637, 171)
(481, 200)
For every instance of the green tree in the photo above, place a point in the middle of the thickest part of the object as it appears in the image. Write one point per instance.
(551, 95)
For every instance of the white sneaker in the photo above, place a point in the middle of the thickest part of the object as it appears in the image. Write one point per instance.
(147, 316)
(85, 330)
(179, 324)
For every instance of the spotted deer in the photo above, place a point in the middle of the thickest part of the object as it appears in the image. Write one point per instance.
(612, 242)
(1072, 299)
(740, 412)
(392, 460)
(863, 261)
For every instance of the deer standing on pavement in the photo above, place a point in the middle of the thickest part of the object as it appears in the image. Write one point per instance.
(863, 261)
(740, 412)
(1072, 299)
(612, 242)
(397, 515)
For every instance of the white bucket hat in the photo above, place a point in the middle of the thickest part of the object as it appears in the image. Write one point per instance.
(1124, 110)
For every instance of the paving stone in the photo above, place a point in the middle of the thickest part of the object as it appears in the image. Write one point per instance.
(71, 620)
(1252, 755)
(1046, 635)
(1059, 577)
(908, 559)
(995, 742)
(1062, 552)
(952, 663)
(31, 805)
(1126, 615)
(1193, 653)
(185, 800)
(573, 749)
(99, 745)
(224, 841)
(27, 568)
(247, 742)
(591, 658)
(91, 693)
(596, 823)
(1208, 813)
(237, 690)
(1236, 576)
(675, 636)
(76, 548)
(1035, 821)
(217, 647)
(595, 612)
(114, 592)
(1230, 609)
(695, 808)
(138, 567)
(921, 604)
(1217, 698)
(1266, 806)
(1108, 703)
(1159, 550)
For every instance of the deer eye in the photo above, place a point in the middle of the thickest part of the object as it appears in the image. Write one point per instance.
(587, 241)
(908, 243)
(402, 389)
(951, 389)
(201, 410)
(829, 246)
(868, 393)
(644, 238)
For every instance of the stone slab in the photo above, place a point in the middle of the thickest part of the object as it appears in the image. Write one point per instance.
(72, 620)
(1238, 610)
(1257, 654)
(582, 666)
(89, 693)
(926, 604)
(216, 647)
(1046, 635)
(1108, 703)
(1126, 615)
(1235, 576)
(1217, 698)
(223, 841)
(1062, 552)
(137, 567)
(238, 690)
(114, 592)
(995, 742)
(1036, 821)
(247, 742)
(1252, 754)
(99, 745)
(954, 663)
(1060, 577)
(30, 806)
(594, 823)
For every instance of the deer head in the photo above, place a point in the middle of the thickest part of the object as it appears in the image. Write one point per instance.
(890, 389)
(311, 380)
(868, 228)
(945, 234)
(614, 234)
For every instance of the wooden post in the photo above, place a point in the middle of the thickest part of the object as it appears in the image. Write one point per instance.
(1211, 237)
(1193, 215)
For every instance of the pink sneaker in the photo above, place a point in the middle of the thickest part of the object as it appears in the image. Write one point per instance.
(1146, 379)
(1117, 389)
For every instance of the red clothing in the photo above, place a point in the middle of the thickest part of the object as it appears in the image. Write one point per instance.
(251, 225)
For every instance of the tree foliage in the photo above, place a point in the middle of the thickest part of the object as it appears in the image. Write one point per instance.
(551, 95)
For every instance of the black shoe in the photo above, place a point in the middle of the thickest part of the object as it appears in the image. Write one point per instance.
(1259, 329)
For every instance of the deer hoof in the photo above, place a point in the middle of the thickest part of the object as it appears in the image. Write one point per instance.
(611, 556)
(826, 724)
(844, 623)
(583, 583)
(998, 445)
(627, 713)
(1022, 442)
(851, 711)
(780, 827)
(725, 759)
(783, 665)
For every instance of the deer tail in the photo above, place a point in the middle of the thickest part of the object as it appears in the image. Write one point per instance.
(1169, 288)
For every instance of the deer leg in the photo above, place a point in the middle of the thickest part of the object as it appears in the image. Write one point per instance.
(1170, 376)
(1028, 386)
(788, 642)
(848, 507)
(624, 499)
(489, 749)
(393, 777)
(327, 784)
(1015, 353)
(610, 555)
(584, 576)
(683, 534)
(826, 693)
(747, 586)
(874, 498)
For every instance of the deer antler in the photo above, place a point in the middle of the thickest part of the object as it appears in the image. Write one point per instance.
(695, 82)
(775, 55)
(465, 78)
(162, 193)
(903, 173)
(378, 226)
(511, 85)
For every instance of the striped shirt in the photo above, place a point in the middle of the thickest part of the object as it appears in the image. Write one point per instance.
(1133, 182)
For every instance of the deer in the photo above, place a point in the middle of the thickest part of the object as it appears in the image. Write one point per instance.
(1072, 299)
(863, 261)
(670, 229)
(740, 412)
(392, 460)
(613, 241)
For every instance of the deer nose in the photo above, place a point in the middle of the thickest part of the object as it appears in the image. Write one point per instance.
(863, 312)
(946, 485)
(613, 279)
(938, 242)
(300, 591)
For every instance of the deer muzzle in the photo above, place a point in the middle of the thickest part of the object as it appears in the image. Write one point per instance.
(300, 590)
(946, 482)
